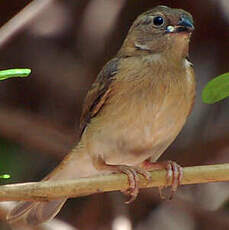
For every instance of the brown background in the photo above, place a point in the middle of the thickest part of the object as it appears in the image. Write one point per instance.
(66, 45)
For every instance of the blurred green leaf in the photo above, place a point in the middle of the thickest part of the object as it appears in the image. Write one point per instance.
(5, 176)
(217, 89)
(5, 74)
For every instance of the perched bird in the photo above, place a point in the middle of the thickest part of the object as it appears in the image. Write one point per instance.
(134, 110)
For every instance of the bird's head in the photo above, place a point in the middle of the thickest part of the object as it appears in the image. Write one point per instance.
(160, 30)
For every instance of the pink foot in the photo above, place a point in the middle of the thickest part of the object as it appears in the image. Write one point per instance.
(132, 173)
(174, 174)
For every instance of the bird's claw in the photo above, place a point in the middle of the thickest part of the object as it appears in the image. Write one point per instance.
(132, 173)
(174, 177)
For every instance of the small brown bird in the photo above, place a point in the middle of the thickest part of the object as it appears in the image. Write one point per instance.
(133, 111)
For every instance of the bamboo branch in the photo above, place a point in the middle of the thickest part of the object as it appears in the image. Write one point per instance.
(49, 190)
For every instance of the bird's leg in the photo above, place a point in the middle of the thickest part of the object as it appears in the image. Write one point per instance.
(174, 174)
(130, 171)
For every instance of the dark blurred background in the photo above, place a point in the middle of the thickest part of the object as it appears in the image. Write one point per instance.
(66, 43)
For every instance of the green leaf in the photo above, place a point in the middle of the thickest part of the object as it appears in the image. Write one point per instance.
(217, 89)
(5, 176)
(4, 74)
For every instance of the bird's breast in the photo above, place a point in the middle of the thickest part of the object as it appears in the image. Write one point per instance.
(157, 97)
(144, 113)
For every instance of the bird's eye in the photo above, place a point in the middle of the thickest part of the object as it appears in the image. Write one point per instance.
(158, 21)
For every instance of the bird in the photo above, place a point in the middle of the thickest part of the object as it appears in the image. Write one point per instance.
(133, 111)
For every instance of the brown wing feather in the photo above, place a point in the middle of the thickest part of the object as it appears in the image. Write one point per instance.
(98, 93)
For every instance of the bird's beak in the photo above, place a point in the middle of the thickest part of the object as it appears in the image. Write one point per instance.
(184, 25)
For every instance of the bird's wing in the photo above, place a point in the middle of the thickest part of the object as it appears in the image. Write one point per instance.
(98, 93)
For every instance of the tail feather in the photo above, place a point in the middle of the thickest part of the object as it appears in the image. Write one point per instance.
(34, 213)
(75, 165)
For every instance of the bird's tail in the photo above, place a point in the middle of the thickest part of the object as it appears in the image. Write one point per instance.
(75, 165)
(34, 213)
